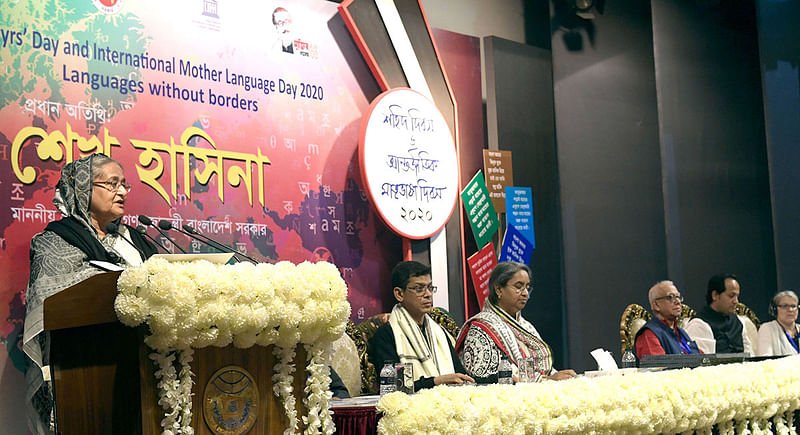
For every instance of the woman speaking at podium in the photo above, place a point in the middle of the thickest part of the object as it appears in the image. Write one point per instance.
(91, 195)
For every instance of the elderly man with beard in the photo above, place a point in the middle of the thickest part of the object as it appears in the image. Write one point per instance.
(661, 334)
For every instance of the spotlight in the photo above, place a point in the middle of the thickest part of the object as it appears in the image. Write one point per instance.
(583, 5)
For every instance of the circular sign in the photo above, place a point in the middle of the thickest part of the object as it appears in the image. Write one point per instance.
(409, 163)
(230, 401)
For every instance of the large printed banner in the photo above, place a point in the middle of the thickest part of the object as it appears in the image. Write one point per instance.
(239, 119)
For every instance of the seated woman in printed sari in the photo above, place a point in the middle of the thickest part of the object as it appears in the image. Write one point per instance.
(500, 330)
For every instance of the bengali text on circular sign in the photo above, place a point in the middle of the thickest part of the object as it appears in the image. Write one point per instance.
(409, 163)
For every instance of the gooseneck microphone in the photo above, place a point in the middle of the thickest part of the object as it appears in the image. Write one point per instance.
(191, 232)
(143, 231)
(112, 228)
(146, 220)
(167, 225)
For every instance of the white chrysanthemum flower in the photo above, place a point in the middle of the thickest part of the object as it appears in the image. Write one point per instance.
(199, 304)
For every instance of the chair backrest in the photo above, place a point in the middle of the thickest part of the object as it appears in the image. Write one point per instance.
(751, 324)
(346, 361)
(367, 370)
(442, 317)
(633, 318)
(744, 310)
(687, 313)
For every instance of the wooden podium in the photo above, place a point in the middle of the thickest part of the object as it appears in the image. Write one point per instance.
(104, 381)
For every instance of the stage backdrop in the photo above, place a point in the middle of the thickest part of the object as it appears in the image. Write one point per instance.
(239, 119)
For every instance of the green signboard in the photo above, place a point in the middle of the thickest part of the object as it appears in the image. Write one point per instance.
(480, 211)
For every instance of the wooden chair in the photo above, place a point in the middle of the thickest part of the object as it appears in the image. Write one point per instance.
(744, 310)
(751, 324)
(687, 313)
(633, 318)
(360, 338)
(346, 360)
(443, 318)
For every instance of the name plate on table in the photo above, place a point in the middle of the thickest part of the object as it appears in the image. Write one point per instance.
(679, 361)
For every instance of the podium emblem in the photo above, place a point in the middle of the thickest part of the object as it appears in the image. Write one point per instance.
(230, 401)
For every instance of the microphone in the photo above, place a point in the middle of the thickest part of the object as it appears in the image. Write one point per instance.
(143, 231)
(167, 225)
(191, 232)
(112, 228)
(146, 220)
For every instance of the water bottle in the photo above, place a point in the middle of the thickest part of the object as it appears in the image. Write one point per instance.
(504, 371)
(388, 378)
(628, 359)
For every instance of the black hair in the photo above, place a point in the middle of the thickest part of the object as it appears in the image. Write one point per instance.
(502, 274)
(407, 270)
(717, 284)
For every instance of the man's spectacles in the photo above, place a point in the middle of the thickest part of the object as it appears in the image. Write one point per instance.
(113, 186)
(788, 307)
(671, 298)
(520, 287)
(420, 290)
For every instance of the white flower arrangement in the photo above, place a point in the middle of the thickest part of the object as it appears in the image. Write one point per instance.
(740, 398)
(282, 385)
(197, 304)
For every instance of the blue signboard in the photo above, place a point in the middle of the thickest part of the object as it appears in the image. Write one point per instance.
(519, 212)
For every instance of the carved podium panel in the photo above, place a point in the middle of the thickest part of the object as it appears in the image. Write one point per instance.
(104, 381)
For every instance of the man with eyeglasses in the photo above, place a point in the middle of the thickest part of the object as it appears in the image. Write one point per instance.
(661, 334)
(282, 21)
(717, 329)
(411, 336)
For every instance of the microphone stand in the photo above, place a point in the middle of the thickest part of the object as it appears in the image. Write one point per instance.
(191, 232)
(143, 231)
(146, 220)
(112, 228)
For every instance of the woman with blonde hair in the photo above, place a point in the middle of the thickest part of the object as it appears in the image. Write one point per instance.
(780, 336)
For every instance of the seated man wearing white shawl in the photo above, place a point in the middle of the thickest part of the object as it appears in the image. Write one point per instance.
(410, 336)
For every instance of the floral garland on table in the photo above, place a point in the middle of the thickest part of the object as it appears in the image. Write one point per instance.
(197, 304)
(757, 398)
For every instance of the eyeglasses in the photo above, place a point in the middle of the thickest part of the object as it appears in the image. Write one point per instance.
(113, 186)
(420, 290)
(520, 287)
(788, 307)
(671, 298)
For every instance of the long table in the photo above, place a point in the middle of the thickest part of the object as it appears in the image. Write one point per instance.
(732, 398)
